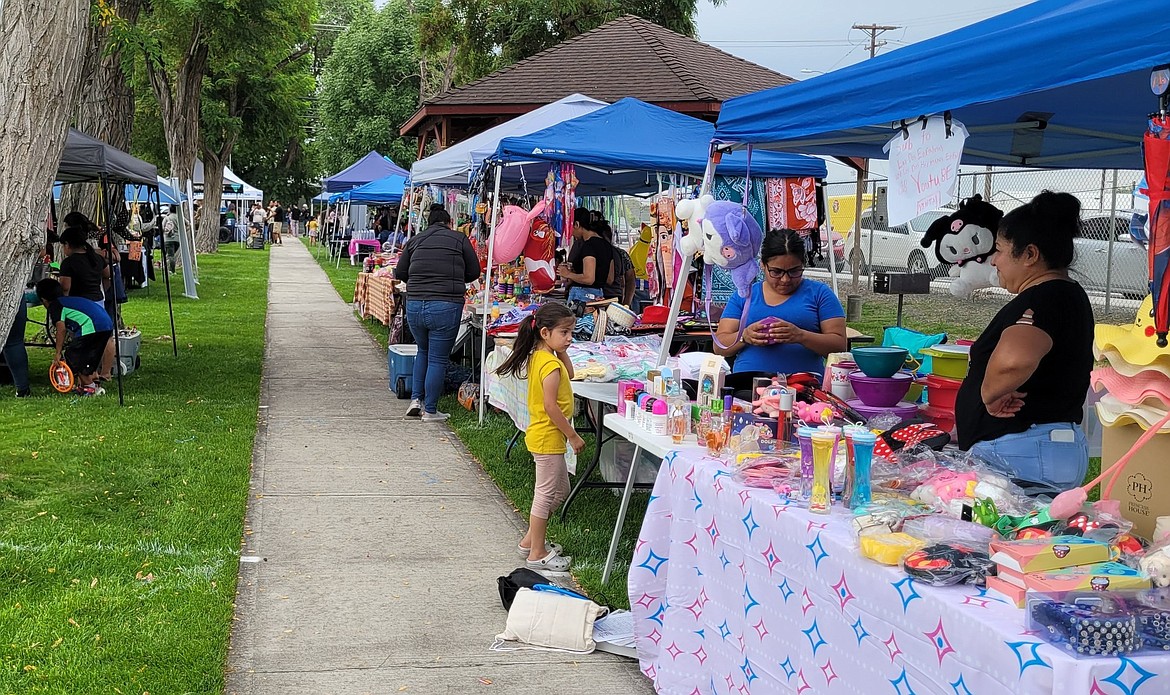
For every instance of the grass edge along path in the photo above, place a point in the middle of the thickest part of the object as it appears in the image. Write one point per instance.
(120, 527)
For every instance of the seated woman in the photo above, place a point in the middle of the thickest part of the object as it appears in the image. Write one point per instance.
(793, 323)
(1022, 401)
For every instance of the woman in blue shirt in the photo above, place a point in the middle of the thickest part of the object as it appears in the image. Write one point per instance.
(792, 323)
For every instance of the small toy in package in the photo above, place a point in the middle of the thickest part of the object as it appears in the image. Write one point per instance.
(944, 564)
(765, 470)
(888, 548)
(936, 528)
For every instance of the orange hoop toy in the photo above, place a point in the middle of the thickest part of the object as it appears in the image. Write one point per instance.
(61, 376)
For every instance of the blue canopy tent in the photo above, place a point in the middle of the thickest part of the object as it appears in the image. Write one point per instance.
(371, 167)
(384, 191)
(1053, 84)
(618, 148)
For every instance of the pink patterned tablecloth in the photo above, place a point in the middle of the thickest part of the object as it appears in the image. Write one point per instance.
(735, 591)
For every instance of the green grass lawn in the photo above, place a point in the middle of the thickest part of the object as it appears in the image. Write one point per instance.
(120, 527)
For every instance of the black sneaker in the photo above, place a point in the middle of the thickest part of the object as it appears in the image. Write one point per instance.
(24, 393)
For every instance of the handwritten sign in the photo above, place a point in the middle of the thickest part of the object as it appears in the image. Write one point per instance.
(923, 167)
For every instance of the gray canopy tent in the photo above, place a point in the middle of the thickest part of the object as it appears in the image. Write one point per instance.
(86, 159)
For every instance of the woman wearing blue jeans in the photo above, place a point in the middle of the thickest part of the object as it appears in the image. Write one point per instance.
(436, 266)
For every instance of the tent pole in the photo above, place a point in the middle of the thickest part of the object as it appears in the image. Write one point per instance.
(165, 274)
(487, 295)
(681, 282)
(110, 255)
(189, 290)
(861, 176)
(832, 258)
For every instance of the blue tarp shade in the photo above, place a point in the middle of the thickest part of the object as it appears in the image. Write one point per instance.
(625, 140)
(384, 191)
(1081, 69)
(369, 168)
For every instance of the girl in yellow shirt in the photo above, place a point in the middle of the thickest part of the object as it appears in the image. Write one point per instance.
(539, 355)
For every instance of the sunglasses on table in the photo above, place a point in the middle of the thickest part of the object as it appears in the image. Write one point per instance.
(778, 273)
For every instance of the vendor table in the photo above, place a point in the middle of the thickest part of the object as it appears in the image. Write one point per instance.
(657, 446)
(373, 297)
(355, 247)
(598, 395)
(734, 590)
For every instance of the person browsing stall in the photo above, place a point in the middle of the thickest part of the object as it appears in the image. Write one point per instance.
(622, 279)
(793, 323)
(1022, 401)
(540, 355)
(83, 270)
(436, 266)
(91, 351)
(591, 267)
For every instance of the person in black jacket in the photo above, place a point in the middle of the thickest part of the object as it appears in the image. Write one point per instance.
(436, 266)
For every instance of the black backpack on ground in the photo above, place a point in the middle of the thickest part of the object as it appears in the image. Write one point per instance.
(519, 578)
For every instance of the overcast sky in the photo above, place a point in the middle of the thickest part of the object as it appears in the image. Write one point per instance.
(815, 35)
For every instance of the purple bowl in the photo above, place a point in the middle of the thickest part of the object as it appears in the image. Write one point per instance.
(880, 392)
(903, 410)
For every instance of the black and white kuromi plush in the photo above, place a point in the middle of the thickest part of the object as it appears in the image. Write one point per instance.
(966, 239)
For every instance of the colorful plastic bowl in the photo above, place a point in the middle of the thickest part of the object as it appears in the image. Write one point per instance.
(879, 361)
(880, 392)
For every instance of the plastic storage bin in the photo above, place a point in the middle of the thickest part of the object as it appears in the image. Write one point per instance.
(942, 392)
(950, 361)
(400, 360)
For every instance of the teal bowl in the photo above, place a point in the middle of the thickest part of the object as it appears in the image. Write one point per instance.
(880, 362)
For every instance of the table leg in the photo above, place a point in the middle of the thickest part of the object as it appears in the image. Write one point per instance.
(598, 441)
(621, 519)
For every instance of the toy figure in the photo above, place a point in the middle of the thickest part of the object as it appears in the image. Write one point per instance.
(539, 254)
(966, 239)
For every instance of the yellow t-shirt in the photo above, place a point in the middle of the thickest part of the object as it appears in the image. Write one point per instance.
(542, 436)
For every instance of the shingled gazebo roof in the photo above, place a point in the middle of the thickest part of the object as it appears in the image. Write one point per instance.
(626, 57)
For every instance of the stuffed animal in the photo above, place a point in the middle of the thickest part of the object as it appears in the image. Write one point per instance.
(692, 211)
(512, 232)
(1156, 566)
(768, 401)
(966, 239)
(730, 238)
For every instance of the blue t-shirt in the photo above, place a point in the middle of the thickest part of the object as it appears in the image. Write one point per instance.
(82, 317)
(812, 303)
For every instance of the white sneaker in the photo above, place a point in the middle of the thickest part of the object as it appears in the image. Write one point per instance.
(415, 408)
(435, 417)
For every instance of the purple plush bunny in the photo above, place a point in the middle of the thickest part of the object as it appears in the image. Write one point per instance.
(731, 240)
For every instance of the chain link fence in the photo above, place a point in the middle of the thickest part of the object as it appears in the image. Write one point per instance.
(1109, 262)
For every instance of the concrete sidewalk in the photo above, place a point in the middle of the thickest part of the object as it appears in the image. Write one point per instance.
(372, 543)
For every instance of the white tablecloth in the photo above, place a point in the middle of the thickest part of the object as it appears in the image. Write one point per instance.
(734, 591)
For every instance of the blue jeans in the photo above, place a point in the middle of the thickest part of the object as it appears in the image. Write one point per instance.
(15, 356)
(1044, 459)
(435, 325)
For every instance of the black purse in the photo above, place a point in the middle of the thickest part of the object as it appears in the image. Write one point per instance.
(520, 578)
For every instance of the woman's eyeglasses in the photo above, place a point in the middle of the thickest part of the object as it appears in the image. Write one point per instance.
(778, 273)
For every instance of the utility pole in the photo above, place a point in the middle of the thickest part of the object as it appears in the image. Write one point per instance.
(875, 30)
(853, 301)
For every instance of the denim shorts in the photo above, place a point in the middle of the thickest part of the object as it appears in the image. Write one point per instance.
(1045, 458)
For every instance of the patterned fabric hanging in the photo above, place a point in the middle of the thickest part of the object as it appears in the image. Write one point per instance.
(792, 204)
(560, 191)
(731, 188)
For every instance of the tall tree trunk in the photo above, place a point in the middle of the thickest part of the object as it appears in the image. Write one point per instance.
(178, 97)
(207, 233)
(40, 58)
(106, 107)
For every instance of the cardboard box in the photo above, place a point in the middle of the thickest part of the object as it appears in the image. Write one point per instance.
(1144, 486)
(1096, 577)
(1040, 554)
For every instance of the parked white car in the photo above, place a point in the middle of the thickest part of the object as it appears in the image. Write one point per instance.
(1128, 274)
(897, 248)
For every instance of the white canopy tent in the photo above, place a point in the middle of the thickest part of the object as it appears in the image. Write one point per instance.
(455, 165)
(247, 191)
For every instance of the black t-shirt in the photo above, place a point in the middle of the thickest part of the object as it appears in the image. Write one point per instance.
(601, 250)
(1056, 391)
(278, 216)
(295, 214)
(84, 271)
